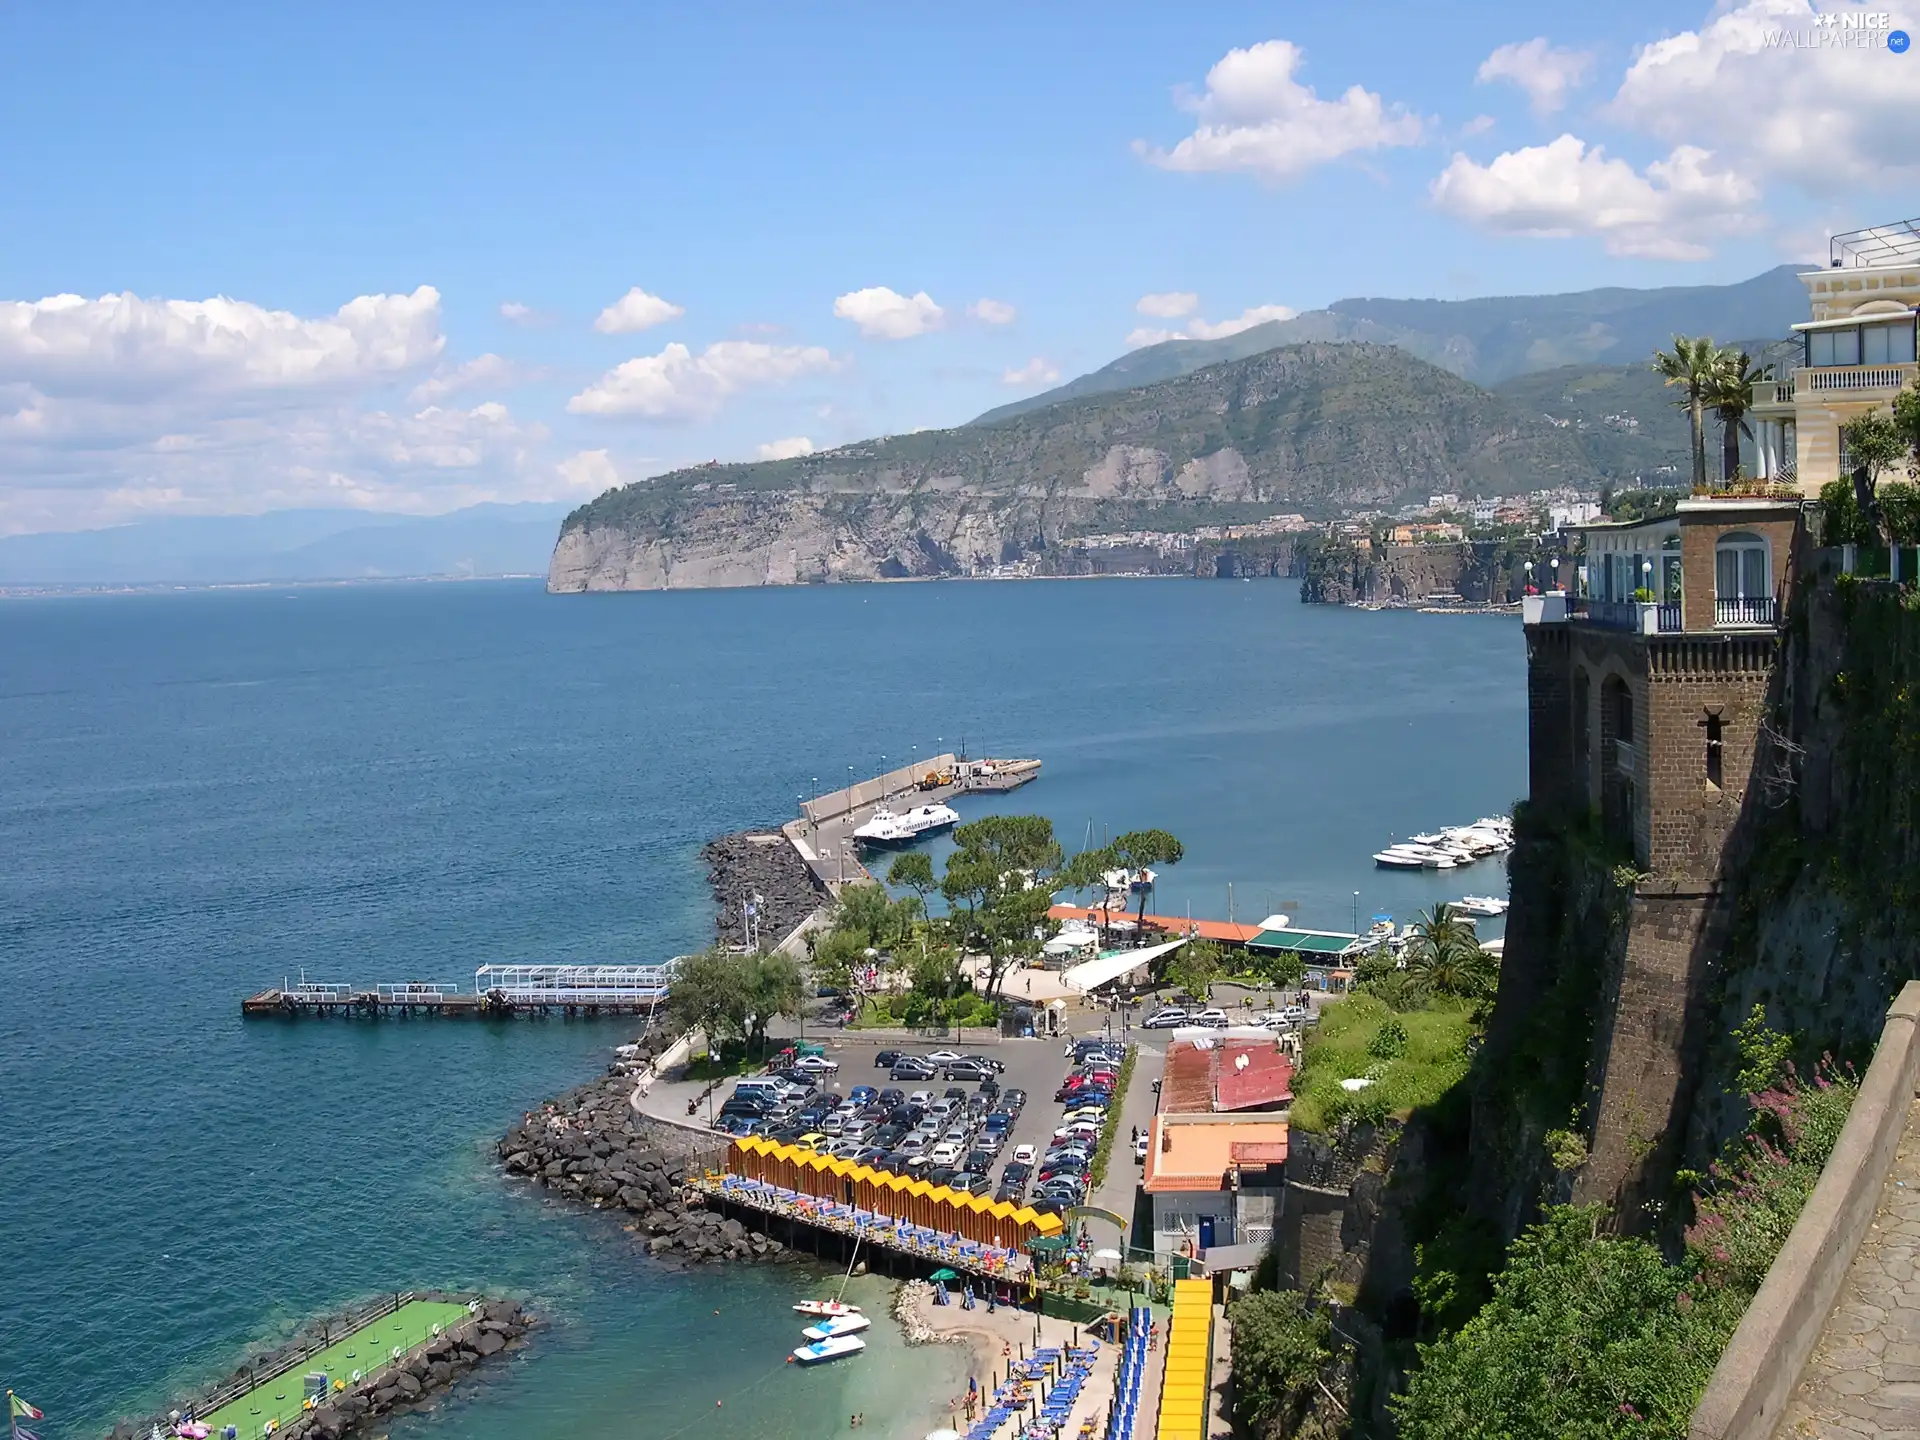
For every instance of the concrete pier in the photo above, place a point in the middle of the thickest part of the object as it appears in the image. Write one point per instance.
(823, 835)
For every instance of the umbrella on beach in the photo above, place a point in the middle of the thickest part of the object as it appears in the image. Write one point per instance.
(944, 1435)
(1106, 1254)
(945, 1274)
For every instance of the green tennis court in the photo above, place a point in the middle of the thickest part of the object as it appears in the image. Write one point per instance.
(365, 1350)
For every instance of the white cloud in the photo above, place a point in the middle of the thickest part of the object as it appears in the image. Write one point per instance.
(1826, 114)
(791, 448)
(1546, 73)
(1478, 125)
(1245, 320)
(1036, 371)
(487, 371)
(1255, 116)
(993, 312)
(1168, 304)
(636, 310)
(884, 314)
(1566, 188)
(678, 385)
(1199, 329)
(592, 471)
(125, 345)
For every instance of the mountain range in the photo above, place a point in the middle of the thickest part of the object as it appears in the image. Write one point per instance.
(1487, 340)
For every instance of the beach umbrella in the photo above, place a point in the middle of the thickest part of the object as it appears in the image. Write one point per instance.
(1106, 1254)
(945, 1274)
(944, 1435)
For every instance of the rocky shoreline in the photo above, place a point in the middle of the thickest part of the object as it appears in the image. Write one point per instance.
(590, 1145)
(494, 1327)
(763, 863)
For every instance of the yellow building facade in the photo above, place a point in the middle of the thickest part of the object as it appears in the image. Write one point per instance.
(1856, 354)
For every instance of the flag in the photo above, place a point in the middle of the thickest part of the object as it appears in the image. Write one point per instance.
(18, 1409)
(22, 1433)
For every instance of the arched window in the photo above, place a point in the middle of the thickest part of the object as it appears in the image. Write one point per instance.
(1742, 580)
(1740, 568)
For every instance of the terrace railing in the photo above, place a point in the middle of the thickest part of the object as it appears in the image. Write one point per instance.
(1746, 610)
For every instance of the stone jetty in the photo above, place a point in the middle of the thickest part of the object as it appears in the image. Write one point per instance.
(592, 1146)
(494, 1327)
(759, 863)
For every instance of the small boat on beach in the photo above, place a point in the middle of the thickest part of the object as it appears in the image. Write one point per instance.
(831, 1349)
(826, 1307)
(838, 1325)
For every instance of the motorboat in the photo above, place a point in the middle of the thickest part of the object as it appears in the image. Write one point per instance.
(885, 827)
(828, 1308)
(1396, 859)
(831, 1349)
(1409, 856)
(1129, 882)
(1481, 905)
(838, 1325)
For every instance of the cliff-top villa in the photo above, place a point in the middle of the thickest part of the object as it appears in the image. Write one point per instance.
(1856, 353)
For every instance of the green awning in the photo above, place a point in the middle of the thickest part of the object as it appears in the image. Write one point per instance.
(1049, 1242)
(1303, 942)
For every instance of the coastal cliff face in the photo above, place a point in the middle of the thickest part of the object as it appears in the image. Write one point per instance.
(1307, 426)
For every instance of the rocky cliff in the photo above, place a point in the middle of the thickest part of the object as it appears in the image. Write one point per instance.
(1305, 427)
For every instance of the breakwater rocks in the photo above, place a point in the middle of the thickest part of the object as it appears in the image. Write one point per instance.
(739, 867)
(590, 1145)
(491, 1328)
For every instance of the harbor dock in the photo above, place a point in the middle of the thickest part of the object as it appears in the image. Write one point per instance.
(499, 991)
(823, 833)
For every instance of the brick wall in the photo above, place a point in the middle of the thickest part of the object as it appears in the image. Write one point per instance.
(1551, 776)
(1690, 680)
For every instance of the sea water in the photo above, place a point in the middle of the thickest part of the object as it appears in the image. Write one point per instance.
(205, 794)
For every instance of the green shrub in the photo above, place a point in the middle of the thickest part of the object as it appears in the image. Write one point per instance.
(1585, 1337)
(1389, 1042)
(1840, 509)
(1280, 1344)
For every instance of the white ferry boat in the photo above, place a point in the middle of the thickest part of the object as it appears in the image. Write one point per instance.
(885, 827)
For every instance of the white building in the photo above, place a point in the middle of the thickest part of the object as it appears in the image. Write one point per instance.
(1856, 354)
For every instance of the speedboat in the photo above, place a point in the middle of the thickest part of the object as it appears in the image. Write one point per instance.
(831, 1349)
(1409, 856)
(1397, 859)
(885, 827)
(826, 1307)
(839, 1325)
(1481, 905)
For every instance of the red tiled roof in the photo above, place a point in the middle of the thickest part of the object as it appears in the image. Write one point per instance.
(1252, 1075)
(1171, 924)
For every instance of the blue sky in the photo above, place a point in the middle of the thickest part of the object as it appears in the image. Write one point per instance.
(750, 165)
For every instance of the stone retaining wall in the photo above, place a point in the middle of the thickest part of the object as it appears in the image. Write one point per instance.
(1763, 1362)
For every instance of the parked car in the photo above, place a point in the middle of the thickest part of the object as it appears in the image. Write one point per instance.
(971, 1181)
(1213, 1015)
(816, 1065)
(912, 1145)
(941, 1175)
(999, 1066)
(922, 1098)
(955, 1093)
(1165, 1019)
(891, 1097)
(913, 1068)
(999, 1121)
(1014, 1100)
(968, 1070)
(1018, 1172)
(813, 1140)
(988, 1142)
(887, 1059)
(943, 1057)
(1024, 1155)
(946, 1152)
(1140, 1143)
(1009, 1194)
(862, 1095)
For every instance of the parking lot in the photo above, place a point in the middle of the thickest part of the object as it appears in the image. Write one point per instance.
(1034, 1066)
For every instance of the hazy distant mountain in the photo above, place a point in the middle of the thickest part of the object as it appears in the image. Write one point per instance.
(1486, 341)
(289, 545)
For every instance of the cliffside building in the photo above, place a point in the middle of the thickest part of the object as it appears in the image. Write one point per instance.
(1856, 353)
(1647, 714)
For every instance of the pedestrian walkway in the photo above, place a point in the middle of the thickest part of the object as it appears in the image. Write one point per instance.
(1864, 1378)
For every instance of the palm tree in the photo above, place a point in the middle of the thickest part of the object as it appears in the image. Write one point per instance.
(1445, 956)
(1689, 367)
(1731, 395)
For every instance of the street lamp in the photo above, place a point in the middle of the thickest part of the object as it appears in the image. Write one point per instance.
(1356, 913)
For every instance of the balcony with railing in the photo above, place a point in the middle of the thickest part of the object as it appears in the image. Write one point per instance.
(1745, 610)
(1854, 380)
(1636, 616)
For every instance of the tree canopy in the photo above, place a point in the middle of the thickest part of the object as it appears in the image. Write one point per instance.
(998, 891)
(733, 996)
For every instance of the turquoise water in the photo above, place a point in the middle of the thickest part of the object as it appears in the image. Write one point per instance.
(205, 793)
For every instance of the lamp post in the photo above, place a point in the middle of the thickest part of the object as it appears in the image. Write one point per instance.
(1356, 914)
